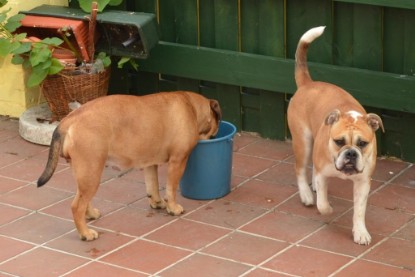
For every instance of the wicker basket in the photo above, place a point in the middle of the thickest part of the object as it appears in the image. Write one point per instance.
(73, 84)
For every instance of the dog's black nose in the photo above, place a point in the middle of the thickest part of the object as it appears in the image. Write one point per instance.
(351, 155)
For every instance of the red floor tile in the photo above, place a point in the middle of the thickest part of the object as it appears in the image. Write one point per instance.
(261, 194)
(338, 240)
(13, 247)
(397, 252)
(304, 261)
(226, 214)
(269, 149)
(260, 272)
(245, 248)
(146, 256)
(248, 166)
(63, 180)
(7, 184)
(373, 269)
(205, 266)
(241, 140)
(281, 173)
(407, 178)
(378, 220)
(408, 232)
(37, 228)
(41, 262)
(9, 213)
(133, 221)
(19, 170)
(104, 270)
(386, 169)
(395, 197)
(282, 226)
(34, 198)
(187, 234)
(294, 206)
(107, 242)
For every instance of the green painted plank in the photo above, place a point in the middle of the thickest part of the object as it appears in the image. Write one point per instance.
(375, 89)
(302, 15)
(399, 41)
(262, 27)
(226, 24)
(358, 36)
(207, 24)
(405, 4)
(148, 6)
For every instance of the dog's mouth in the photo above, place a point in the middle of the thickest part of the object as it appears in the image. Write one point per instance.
(349, 169)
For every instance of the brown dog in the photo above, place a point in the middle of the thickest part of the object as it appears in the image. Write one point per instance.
(131, 131)
(330, 124)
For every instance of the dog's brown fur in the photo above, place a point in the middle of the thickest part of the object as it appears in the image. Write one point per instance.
(131, 131)
(328, 123)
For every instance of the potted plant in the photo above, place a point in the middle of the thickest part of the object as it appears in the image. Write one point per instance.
(59, 78)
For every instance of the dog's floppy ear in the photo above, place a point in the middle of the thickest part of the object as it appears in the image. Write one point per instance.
(333, 117)
(215, 107)
(374, 121)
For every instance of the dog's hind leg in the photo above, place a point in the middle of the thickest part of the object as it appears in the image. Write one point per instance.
(302, 145)
(88, 178)
(152, 187)
(175, 171)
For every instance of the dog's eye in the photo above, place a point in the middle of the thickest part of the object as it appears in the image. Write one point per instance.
(362, 144)
(340, 142)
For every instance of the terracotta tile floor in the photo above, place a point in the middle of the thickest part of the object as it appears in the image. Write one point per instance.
(259, 229)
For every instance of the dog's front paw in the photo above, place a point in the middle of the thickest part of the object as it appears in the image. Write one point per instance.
(325, 209)
(307, 197)
(89, 235)
(174, 209)
(362, 237)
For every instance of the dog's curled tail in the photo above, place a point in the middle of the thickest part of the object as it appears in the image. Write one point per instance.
(55, 147)
(302, 75)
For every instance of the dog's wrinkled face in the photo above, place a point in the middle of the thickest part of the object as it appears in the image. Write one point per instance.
(352, 140)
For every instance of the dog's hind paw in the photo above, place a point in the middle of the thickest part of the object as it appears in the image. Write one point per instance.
(157, 204)
(89, 235)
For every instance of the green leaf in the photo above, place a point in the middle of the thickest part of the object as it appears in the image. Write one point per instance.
(3, 2)
(3, 16)
(39, 55)
(134, 64)
(16, 18)
(24, 47)
(55, 67)
(5, 46)
(19, 37)
(86, 5)
(52, 41)
(14, 22)
(123, 61)
(37, 75)
(17, 59)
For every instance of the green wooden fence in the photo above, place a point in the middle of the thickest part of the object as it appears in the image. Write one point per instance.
(241, 52)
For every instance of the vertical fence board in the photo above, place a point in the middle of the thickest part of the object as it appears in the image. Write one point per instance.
(303, 15)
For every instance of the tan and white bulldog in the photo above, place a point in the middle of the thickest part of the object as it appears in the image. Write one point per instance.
(328, 123)
(131, 131)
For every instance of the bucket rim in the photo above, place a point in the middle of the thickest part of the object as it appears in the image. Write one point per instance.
(221, 138)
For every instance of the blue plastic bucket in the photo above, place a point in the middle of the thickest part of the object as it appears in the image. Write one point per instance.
(209, 168)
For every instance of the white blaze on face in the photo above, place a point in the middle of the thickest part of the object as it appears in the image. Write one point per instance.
(355, 115)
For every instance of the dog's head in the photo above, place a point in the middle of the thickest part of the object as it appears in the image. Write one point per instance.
(210, 119)
(352, 140)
